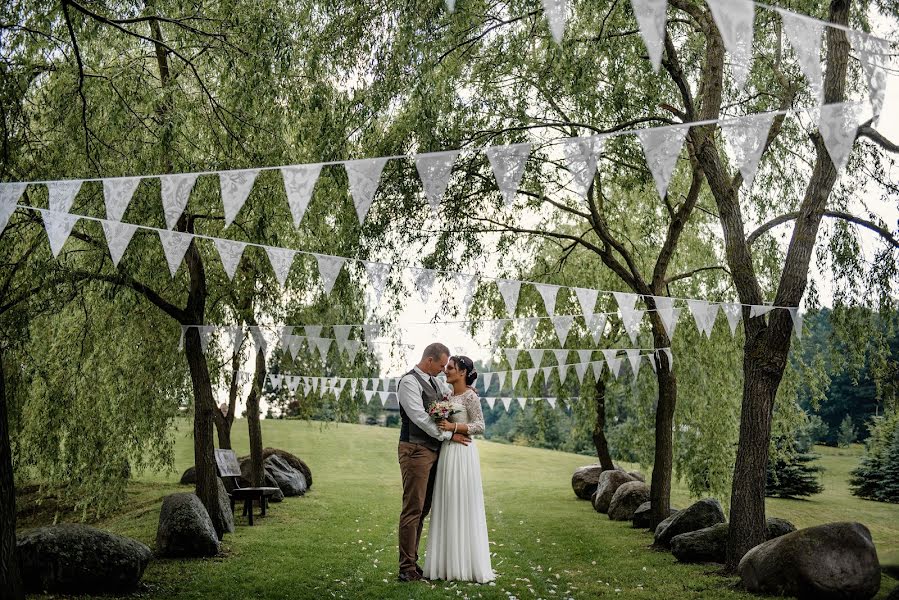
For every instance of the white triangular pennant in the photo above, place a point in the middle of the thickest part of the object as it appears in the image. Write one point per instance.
(424, 282)
(230, 251)
(804, 36)
(364, 176)
(704, 313)
(507, 403)
(299, 181)
(587, 299)
(466, 283)
(174, 245)
(328, 269)
(633, 357)
(581, 369)
(62, 194)
(563, 373)
(508, 164)
(745, 138)
(205, 332)
(118, 236)
(874, 55)
(509, 290)
(613, 362)
(322, 345)
(531, 373)
(548, 293)
(313, 331)
(175, 194)
(596, 325)
(735, 20)
(59, 225)
(536, 356)
(668, 355)
(757, 310)
(837, 125)
(117, 193)
(342, 334)
(551, 402)
(377, 276)
(733, 312)
(585, 356)
(547, 373)
(527, 331)
(661, 146)
(521, 402)
(490, 401)
(516, 375)
(501, 377)
(562, 325)
(9, 198)
(352, 349)
(581, 158)
(561, 356)
(597, 369)
(796, 316)
(511, 356)
(258, 338)
(497, 329)
(281, 260)
(556, 12)
(435, 169)
(667, 313)
(486, 378)
(651, 20)
(631, 319)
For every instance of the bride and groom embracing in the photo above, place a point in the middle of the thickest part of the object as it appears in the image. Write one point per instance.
(441, 470)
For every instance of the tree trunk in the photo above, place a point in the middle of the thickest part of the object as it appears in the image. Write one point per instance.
(223, 422)
(599, 429)
(255, 428)
(223, 429)
(11, 586)
(660, 488)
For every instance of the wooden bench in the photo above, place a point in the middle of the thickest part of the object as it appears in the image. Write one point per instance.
(228, 466)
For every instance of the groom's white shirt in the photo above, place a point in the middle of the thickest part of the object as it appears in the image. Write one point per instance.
(409, 394)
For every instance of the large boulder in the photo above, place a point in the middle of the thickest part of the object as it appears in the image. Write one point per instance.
(627, 499)
(227, 524)
(293, 461)
(584, 481)
(189, 477)
(290, 481)
(702, 514)
(834, 561)
(637, 475)
(185, 529)
(267, 480)
(74, 558)
(710, 544)
(642, 518)
(609, 482)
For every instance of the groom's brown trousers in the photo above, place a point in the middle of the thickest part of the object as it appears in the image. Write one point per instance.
(417, 465)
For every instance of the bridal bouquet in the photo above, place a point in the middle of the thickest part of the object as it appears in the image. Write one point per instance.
(442, 410)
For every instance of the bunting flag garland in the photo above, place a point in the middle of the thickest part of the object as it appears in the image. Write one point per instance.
(873, 53)
(299, 182)
(328, 269)
(631, 322)
(547, 373)
(117, 193)
(597, 370)
(804, 36)
(634, 358)
(516, 375)
(364, 176)
(509, 289)
(118, 236)
(9, 197)
(733, 312)
(323, 345)
(235, 187)
(758, 310)
(561, 356)
(745, 138)
(837, 125)
(508, 164)
(491, 401)
(734, 19)
(562, 325)
(500, 379)
(596, 325)
(796, 316)
(651, 20)
(352, 348)
(536, 356)
(511, 356)
(556, 12)
(281, 260)
(313, 331)
(507, 402)
(531, 373)
(548, 293)
(551, 402)
(661, 146)
(563, 373)
(435, 169)
(521, 402)
(613, 362)
(587, 299)
(424, 282)
(230, 252)
(585, 355)
(342, 334)
(62, 194)
(176, 191)
(377, 276)
(59, 226)
(486, 378)
(580, 370)
(528, 331)
(667, 313)
(582, 156)
(174, 246)
(704, 313)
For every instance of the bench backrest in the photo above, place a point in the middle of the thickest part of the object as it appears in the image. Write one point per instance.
(226, 461)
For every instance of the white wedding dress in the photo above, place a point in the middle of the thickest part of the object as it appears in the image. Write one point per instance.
(458, 548)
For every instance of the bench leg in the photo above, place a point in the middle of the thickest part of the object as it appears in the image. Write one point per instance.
(249, 508)
(264, 502)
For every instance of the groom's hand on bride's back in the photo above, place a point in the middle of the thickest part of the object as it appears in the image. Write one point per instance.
(461, 439)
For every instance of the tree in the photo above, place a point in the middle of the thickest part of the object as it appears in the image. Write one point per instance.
(846, 433)
(790, 472)
(877, 475)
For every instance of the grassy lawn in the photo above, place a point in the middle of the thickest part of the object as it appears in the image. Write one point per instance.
(340, 540)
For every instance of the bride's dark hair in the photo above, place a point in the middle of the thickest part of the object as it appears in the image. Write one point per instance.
(464, 363)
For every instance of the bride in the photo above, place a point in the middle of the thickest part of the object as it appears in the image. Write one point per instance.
(458, 548)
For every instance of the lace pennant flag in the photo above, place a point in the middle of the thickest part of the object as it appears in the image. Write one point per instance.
(634, 358)
(758, 310)
(508, 164)
(733, 312)
(281, 260)
(838, 124)
(509, 290)
(117, 195)
(661, 146)
(561, 356)
(667, 352)
(531, 373)
(626, 302)
(796, 316)
(175, 194)
(735, 20)
(704, 313)
(487, 379)
(62, 194)
(328, 269)
(563, 373)
(205, 332)
(651, 359)
(230, 251)
(507, 403)
(562, 325)
(299, 182)
(613, 362)
(370, 331)
(274, 381)
(435, 169)
(323, 345)
(651, 20)
(364, 176)
(118, 236)
(597, 370)
(587, 299)
(581, 157)
(547, 373)
(9, 198)
(424, 282)
(383, 397)
(511, 356)
(745, 139)
(536, 356)
(556, 12)
(551, 402)
(59, 225)
(259, 339)
(368, 395)
(500, 379)
(521, 402)
(585, 356)
(596, 325)
(466, 283)
(496, 334)
(874, 55)
(667, 313)
(313, 331)
(174, 245)
(527, 331)
(377, 276)
(631, 322)
(352, 348)
(342, 334)
(804, 35)
(548, 293)
(516, 375)
(491, 401)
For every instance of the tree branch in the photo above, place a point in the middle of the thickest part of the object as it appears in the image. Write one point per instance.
(875, 136)
(886, 234)
(693, 272)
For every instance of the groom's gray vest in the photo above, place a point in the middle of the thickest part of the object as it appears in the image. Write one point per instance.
(409, 431)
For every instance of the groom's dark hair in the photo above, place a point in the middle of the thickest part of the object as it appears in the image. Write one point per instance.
(435, 351)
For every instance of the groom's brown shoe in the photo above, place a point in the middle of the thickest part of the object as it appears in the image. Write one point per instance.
(407, 576)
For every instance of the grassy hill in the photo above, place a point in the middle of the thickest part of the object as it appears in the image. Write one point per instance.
(340, 540)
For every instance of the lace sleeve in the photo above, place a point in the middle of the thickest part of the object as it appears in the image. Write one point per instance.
(475, 414)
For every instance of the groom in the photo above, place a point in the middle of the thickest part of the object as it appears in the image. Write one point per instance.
(418, 451)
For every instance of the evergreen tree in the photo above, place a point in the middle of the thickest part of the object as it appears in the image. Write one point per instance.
(846, 434)
(790, 473)
(877, 475)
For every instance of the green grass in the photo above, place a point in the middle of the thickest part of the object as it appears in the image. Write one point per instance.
(340, 540)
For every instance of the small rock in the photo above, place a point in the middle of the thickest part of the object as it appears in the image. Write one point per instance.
(834, 561)
(702, 514)
(643, 516)
(74, 558)
(185, 529)
(189, 477)
(627, 499)
(609, 481)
